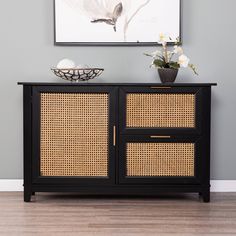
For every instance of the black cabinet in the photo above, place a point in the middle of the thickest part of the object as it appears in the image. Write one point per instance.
(120, 139)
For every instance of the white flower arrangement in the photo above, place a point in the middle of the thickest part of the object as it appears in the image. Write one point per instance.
(172, 59)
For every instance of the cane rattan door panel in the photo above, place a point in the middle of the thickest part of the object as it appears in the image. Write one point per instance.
(145, 110)
(163, 111)
(157, 159)
(160, 159)
(74, 134)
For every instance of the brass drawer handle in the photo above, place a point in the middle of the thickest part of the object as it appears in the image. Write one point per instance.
(158, 136)
(114, 135)
(160, 87)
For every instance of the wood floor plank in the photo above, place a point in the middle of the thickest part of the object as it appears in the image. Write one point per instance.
(64, 214)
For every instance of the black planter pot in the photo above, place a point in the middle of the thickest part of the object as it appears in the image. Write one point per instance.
(167, 75)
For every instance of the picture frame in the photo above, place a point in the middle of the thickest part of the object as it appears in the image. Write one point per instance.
(80, 22)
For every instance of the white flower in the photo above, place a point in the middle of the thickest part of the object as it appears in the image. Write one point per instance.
(178, 50)
(163, 39)
(183, 61)
(152, 65)
(169, 55)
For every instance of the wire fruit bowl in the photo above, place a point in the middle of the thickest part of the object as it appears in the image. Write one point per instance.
(77, 74)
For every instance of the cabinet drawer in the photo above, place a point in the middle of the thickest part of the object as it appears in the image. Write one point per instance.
(162, 110)
(159, 159)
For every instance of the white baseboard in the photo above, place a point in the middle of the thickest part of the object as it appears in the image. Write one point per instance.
(11, 185)
(14, 185)
(223, 185)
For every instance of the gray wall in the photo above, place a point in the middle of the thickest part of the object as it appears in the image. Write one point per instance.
(27, 52)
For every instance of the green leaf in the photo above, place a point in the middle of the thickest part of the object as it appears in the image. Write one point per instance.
(178, 43)
(191, 66)
(159, 63)
(174, 65)
(148, 55)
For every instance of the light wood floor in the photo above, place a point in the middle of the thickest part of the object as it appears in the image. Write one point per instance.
(53, 214)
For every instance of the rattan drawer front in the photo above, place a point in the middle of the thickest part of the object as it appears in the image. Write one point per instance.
(146, 110)
(74, 134)
(160, 159)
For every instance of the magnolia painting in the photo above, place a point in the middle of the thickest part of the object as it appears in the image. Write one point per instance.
(116, 21)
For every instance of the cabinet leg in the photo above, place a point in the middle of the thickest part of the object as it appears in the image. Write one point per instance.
(206, 195)
(27, 196)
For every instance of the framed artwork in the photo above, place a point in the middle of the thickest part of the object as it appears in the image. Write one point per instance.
(116, 22)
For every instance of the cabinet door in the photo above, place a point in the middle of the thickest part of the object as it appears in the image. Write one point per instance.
(160, 159)
(73, 134)
(162, 110)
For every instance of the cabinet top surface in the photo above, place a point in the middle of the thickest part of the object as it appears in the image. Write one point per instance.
(118, 84)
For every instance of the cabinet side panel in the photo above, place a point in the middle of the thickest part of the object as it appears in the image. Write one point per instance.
(27, 142)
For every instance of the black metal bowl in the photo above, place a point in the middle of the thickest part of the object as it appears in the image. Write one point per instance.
(77, 74)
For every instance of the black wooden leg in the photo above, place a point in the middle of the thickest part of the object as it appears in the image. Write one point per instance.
(27, 196)
(206, 195)
(33, 193)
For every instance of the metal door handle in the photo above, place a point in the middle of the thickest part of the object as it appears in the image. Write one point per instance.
(114, 135)
(160, 87)
(159, 136)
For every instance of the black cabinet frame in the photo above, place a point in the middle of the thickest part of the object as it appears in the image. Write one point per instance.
(118, 184)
